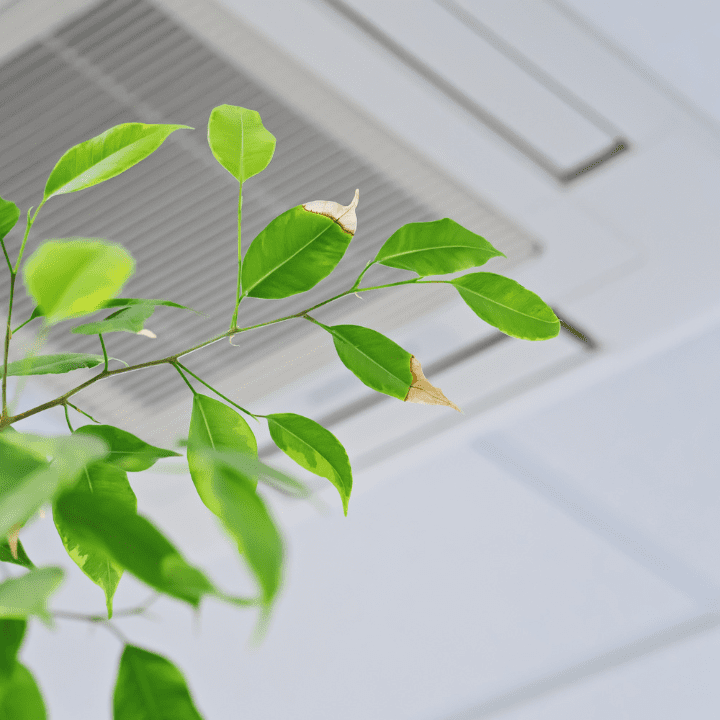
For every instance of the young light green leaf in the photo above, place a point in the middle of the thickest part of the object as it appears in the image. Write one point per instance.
(214, 425)
(508, 306)
(242, 513)
(298, 249)
(23, 490)
(20, 697)
(126, 451)
(314, 448)
(9, 215)
(7, 556)
(129, 319)
(435, 248)
(106, 483)
(150, 687)
(28, 595)
(54, 364)
(239, 141)
(228, 489)
(69, 278)
(12, 632)
(134, 543)
(105, 156)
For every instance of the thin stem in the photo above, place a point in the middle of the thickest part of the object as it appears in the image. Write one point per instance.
(210, 387)
(8, 330)
(21, 326)
(9, 420)
(102, 342)
(187, 382)
(74, 407)
(67, 417)
(233, 322)
(365, 269)
(7, 258)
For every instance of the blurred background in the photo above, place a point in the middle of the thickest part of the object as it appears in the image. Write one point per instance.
(553, 552)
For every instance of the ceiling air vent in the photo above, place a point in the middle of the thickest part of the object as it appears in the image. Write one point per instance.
(134, 61)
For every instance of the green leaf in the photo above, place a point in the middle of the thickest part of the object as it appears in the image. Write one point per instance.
(28, 594)
(9, 215)
(228, 489)
(105, 156)
(69, 278)
(508, 306)
(314, 448)
(150, 687)
(12, 633)
(298, 249)
(28, 480)
(127, 451)
(7, 556)
(435, 248)
(130, 319)
(239, 141)
(54, 364)
(134, 543)
(214, 425)
(376, 360)
(20, 697)
(126, 302)
(243, 514)
(108, 484)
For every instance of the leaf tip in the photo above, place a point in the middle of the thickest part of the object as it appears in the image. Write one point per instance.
(343, 215)
(422, 391)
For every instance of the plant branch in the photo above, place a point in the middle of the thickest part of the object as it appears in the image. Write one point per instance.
(233, 322)
(67, 417)
(8, 330)
(210, 387)
(187, 382)
(102, 342)
(74, 407)
(9, 420)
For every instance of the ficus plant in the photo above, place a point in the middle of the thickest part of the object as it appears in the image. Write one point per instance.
(84, 476)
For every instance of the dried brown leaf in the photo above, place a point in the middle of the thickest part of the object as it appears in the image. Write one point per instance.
(343, 215)
(423, 391)
(13, 539)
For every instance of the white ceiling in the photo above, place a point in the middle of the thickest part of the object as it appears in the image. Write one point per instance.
(556, 557)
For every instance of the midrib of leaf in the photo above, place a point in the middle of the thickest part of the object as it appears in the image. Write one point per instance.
(432, 247)
(277, 267)
(145, 690)
(507, 307)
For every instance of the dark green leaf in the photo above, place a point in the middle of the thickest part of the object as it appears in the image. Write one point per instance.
(105, 156)
(295, 252)
(28, 594)
(130, 319)
(134, 543)
(12, 633)
(314, 448)
(239, 142)
(375, 359)
(9, 215)
(150, 687)
(109, 484)
(508, 306)
(54, 364)
(25, 486)
(435, 248)
(127, 451)
(7, 556)
(69, 278)
(20, 697)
